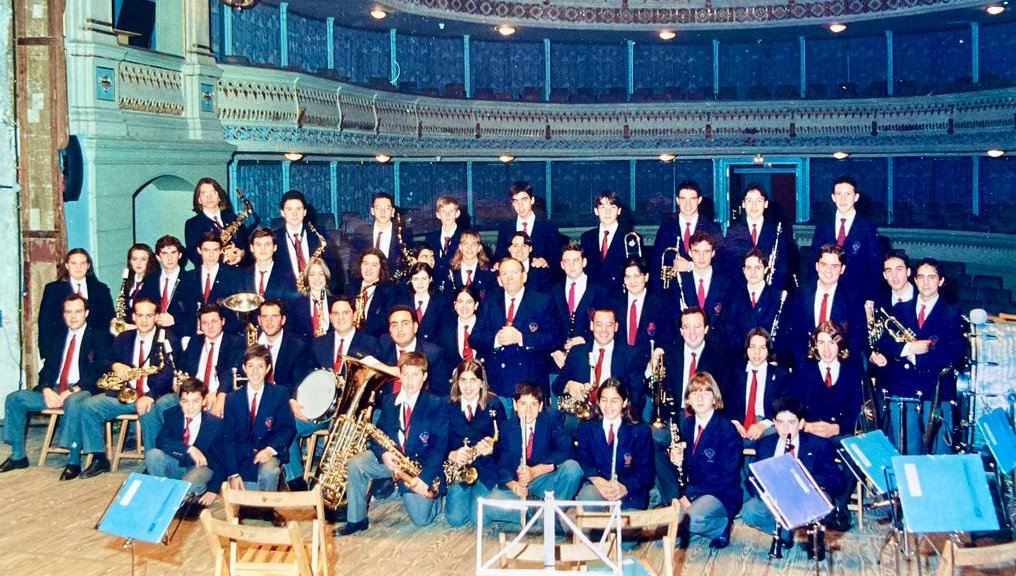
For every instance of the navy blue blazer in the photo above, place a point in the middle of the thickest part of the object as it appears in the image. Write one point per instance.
(863, 250)
(717, 296)
(442, 257)
(839, 404)
(943, 326)
(657, 322)
(448, 340)
(509, 365)
(298, 316)
(92, 360)
(273, 426)
(230, 356)
(714, 359)
(609, 271)
(282, 255)
(181, 307)
(363, 240)
(669, 235)
(551, 444)
(199, 224)
(385, 296)
(292, 364)
(484, 281)
(225, 284)
(846, 311)
(540, 279)
(482, 426)
(51, 322)
(577, 325)
(426, 437)
(279, 286)
(735, 396)
(123, 351)
(713, 467)
(738, 243)
(624, 365)
(634, 462)
(438, 373)
(209, 442)
(437, 313)
(740, 317)
(545, 236)
(322, 348)
(816, 453)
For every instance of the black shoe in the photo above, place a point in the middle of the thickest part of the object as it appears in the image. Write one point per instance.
(335, 515)
(298, 484)
(99, 465)
(720, 542)
(382, 488)
(70, 472)
(351, 528)
(9, 464)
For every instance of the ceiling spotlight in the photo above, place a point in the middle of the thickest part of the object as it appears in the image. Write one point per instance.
(506, 158)
(758, 159)
(996, 153)
(995, 9)
(667, 34)
(293, 156)
(841, 155)
(667, 157)
(378, 14)
(506, 29)
(240, 4)
(836, 27)
(382, 157)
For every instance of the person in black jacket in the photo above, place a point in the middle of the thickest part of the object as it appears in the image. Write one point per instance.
(212, 213)
(75, 277)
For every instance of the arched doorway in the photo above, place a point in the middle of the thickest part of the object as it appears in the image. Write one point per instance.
(161, 207)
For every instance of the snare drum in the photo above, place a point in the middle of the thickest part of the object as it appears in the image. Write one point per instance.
(317, 394)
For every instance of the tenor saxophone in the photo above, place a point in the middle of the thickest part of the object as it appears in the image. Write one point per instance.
(406, 469)
(230, 230)
(455, 473)
(119, 323)
(125, 394)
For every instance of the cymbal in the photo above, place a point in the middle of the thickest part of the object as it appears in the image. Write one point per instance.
(243, 302)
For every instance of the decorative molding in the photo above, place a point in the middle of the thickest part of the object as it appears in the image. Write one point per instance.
(145, 88)
(105, 84)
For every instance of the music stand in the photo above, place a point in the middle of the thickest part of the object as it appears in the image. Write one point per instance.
(867, 457)
(143, 509)
(1001, 441)
(793, 503)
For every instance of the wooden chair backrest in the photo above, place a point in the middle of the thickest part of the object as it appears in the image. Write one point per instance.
(576, 555)
(240, 549)
(955, 557)
(657, 518)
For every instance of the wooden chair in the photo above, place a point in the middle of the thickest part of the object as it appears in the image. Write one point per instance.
(309, 448)
(118, 454)
(320, 543)
(574, 557)
(255, 550)
(646, 521)
(953, 556)
(47, 442)
(856, 504)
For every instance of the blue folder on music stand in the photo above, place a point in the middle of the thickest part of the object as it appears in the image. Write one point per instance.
(872, 453)
(144, 507)
(944, 494)
(789, 491)
(1000, 438)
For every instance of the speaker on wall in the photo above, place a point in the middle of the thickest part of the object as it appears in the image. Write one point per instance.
(72, 166)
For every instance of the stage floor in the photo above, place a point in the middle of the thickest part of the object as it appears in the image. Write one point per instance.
(48, 529)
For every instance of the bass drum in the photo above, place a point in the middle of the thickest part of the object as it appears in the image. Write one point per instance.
(317, 394)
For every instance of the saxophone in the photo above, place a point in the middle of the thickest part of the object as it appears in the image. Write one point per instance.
(407, 469)
(230, 230)
(408, 260)
(581, 407)
(124, 393)
(455, 473)
(301, 284)
(119, 323)
(360, 308)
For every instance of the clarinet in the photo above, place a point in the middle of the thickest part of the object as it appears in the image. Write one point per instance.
(776, 319)
(772, 255)
(682, 470)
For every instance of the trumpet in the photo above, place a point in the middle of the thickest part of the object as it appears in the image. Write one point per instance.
(660, 396)
(229, 231)
(119, 322)
(667, 273)
(124, 393)
(455, 473)
(883, 322)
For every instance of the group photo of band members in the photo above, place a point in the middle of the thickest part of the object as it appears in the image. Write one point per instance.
(599, 368)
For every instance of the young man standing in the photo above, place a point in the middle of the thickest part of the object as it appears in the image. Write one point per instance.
(544, 233)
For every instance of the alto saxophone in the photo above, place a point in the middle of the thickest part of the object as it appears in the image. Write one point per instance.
(407, 470)
(408, 260)
(124, 392)
(301, 285)
(119, 323)
(230, 230)
(360, 307)
(455, 473)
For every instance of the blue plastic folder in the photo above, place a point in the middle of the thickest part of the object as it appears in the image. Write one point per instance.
(1000, 438)
(144, 507)
(872, 453)
(789, 491)
(944, 494)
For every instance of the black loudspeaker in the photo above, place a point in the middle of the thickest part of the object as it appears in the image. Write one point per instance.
(71, 166)
(137, 16)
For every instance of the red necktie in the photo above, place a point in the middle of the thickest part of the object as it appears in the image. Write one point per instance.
(610, 435)
(753, 302)
(315, 316)
(603, 245)
(822, 310)
(447, 242)
(469, 413)
(701, 294)
(828, 377)
(920, 318)
(419, 310)
(139, 385)
(698, 435)
(467, 351)
(529, 443)
(469, 277)
(134, 292)
(208, 366)
(899, 300)
(597, 371)
(511, 311)
(377, 243)
(218, 222)
(692, 366)
(841, 236)
(749, 413)
(525, 228)
(754, 235)
(366, 299)
(407, 414)
(253, 410)
(337, 364)
(298, 248)
(186, 430)
(397, 385)
(68, 357)
(77, 289)
(633, 323)
(571, 299)
(261, 284)
(165, 295)
(687, 237)
(208, 287)
(270, 378)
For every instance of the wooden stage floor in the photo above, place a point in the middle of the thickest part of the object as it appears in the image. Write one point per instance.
(48, 529)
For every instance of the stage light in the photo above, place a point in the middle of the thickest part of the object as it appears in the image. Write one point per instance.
(667, 157)
(240, 4)
(382, 157)
(667, 34)
(506, 30)
(996, 153)
(758, 159)
(841, 155)
(506, 158)
(378, 13)
(293, 156)
(995, 9)
(836, 27)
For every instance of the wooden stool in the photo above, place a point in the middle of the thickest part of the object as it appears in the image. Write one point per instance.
(47, 442)
(856, 504)
(309, 447)
(118, 454)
